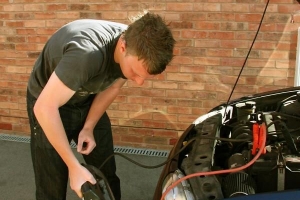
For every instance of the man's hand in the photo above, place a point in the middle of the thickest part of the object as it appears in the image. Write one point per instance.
(86, 142)
(78, 176)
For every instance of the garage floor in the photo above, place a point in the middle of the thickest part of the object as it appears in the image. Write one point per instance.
(17, 182)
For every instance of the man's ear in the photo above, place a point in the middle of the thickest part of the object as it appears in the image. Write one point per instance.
(122, 44)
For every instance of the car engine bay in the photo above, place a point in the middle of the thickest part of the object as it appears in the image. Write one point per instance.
(228, 137)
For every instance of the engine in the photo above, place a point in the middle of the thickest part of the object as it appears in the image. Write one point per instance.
(225, 139)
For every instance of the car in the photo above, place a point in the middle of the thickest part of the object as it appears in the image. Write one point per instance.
(247, 148)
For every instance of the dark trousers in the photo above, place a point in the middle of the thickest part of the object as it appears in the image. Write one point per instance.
(51, 173)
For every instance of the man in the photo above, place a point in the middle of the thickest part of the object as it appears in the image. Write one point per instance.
(76, 77)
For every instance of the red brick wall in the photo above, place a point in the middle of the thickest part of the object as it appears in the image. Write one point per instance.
(213, 38)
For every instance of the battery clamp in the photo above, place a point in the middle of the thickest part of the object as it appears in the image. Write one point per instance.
(99, 191)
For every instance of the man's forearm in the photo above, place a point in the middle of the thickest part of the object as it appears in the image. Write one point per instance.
(101, 103)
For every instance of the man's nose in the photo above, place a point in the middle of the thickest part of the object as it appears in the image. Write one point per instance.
(139, 80)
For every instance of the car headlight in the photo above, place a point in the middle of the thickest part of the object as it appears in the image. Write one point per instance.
(182, 191)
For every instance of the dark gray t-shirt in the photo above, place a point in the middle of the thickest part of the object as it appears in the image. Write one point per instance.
(82, 55)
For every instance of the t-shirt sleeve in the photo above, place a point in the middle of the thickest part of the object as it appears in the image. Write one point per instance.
(79, 63)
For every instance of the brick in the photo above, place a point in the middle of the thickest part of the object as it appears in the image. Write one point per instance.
(172, 16)
(179, 77)
(221, 17)
(202, 25)
(55, 23)
(25, 63)
(180, 6)
(285, 64)
(232, 62)
(21, 128)
(120, 114)
(5, 126)
(131, 139)
(152, 93)
(8, 61)
(46, 31)
(16, 39)
(163, 101)
(132, 122)
(79, 7)
(173, 141)
(248, 17)
(277, 18)
(19, 113)
(187, 118)
(234, 26)
(23, 16)
(189, 103)
(140, 115)
(120, 130)
(120, 99)
(191, 51)
(181, 25)
(154, 108)
(194, 34)
(221, 35)
(191, 86)
(224, 70)
(128, 6)
(7, 46)
(25, 47)
(114, 15)
(8, 105)
(88, 15)
(154, 124)
(165, 85)
(274, 55)
(45, 15)
(33, 7)
(193, 16)
(207, 43)
(260, 63)
(167, 118)
(131, 107)
(183, 94)
(68, 15)
(274, 73)
(243, 53)
(193, 69)
(13, 7)
(102, 6)
(14, 24)
(34, 23)
(26, 31)
(207, 7)
(156, 140)
(56, 7)
(184, 43)
(219, 53)
(179, 110)
(235, 7)
(139, 100)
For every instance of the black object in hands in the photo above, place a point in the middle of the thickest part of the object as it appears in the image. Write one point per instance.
(99, 191)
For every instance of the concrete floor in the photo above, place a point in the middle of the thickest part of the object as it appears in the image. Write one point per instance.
(17, 182)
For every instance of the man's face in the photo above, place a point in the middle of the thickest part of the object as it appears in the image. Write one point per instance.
(134, 69)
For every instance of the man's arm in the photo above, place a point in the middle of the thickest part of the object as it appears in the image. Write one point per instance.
(54, 95)
(100, 104)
